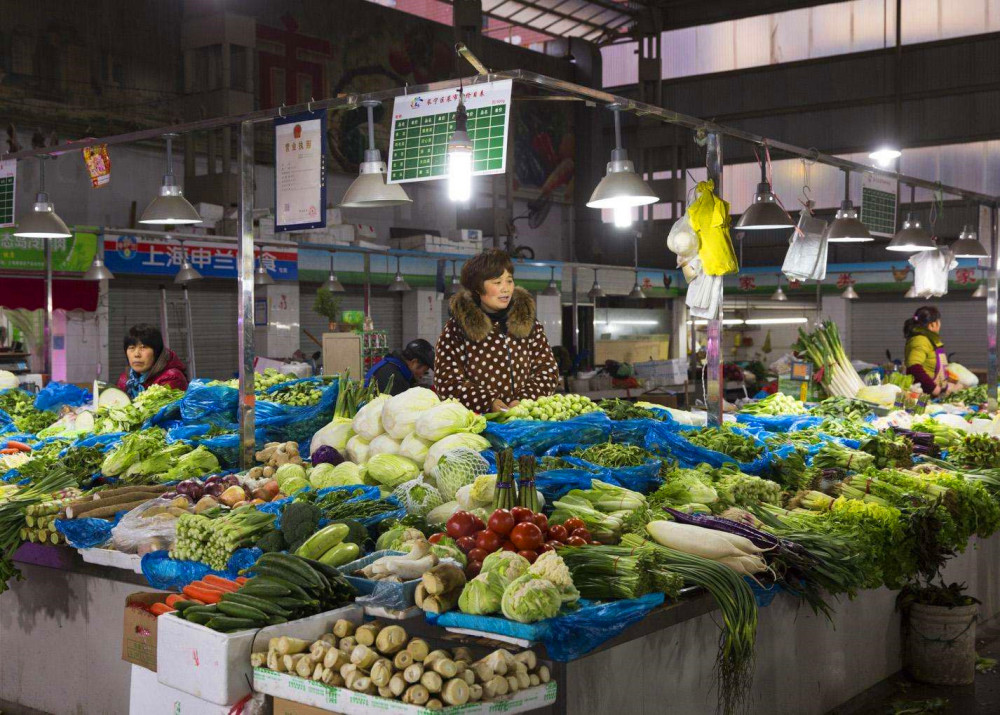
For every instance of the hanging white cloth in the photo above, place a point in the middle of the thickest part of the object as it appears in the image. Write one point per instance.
(807, 252)
(930, 272)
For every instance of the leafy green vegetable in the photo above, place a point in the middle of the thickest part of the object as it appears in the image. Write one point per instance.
(132, 449)
(529, 599)
(726, 440)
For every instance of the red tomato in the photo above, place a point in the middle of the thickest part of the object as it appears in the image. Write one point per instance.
(552, 545)
(501, 521)
(572, 523)
(522, 513)
(526, 536)
(576, 541)
(460, 524)
(477, 524)
(582, 533)
(488, 540)
(477, 555)
(508, 546)
(545, 547)
(435, 538)
(541, 521)
(530, 555)
(473, 569)
(466, 543)
(557, 532)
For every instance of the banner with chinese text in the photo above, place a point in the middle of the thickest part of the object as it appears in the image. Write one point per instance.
(152, 256)
(69, 255)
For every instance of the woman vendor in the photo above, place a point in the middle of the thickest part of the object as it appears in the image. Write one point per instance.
(926, 359)
(149, 362)
(492, 353)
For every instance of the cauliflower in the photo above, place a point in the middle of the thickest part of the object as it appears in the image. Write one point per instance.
(529, 599)
(507, 564)
(551, 567)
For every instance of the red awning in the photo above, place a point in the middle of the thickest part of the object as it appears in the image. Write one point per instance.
(30, 293)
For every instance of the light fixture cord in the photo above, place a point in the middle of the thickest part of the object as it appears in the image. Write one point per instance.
(847, 184)
(41, 174)
(371, 128)
(618, 128)
(170, 156)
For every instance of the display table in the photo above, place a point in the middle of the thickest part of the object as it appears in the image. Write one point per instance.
(61, 633)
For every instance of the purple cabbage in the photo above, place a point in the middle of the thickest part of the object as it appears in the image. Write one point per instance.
(326, 454)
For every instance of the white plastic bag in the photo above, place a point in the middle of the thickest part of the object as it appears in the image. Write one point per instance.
(703, 296)
(149, 527)
(806, 256)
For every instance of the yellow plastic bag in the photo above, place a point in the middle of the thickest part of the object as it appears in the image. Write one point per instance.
(709, 217)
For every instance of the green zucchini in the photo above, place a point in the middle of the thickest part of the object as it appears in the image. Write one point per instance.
(298, 570)
(261, 604)
(227, 624)
(322, 541)
(264, 587)
(239, 610)
(340, 554)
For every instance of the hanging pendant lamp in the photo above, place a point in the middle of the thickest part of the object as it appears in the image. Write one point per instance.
(170, 208)
(456, 285)
(332, 284)
(370, 189)
(42, 221)
(399, 284)
(968, 246)
(187, 272)
(912, 237)
(621, 189)
(846, 227)
(261, 277)
(779, 293)
(595, 291)
(552, 289)
(765, 212)
(849, 293)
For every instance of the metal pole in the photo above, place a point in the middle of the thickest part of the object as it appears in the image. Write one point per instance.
(164, 322)
(576, 316)
(244, 260)
(991, 307)
(47, 366)
(192, 370)
(713, 348)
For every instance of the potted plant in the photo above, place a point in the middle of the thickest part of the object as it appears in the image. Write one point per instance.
(939, 619)
(328, 305)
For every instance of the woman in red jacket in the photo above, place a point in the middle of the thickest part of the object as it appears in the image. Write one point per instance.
(493, 353)
(149, 362)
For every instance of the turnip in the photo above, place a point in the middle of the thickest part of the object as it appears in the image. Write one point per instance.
(696, 540)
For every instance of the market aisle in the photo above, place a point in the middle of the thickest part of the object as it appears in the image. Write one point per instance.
(981, 698)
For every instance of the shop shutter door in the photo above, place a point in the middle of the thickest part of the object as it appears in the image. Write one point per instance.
(386, 308)
(877, 325)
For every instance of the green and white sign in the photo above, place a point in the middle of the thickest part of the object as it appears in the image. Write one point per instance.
(8, 179)
(422, 124)
(69, 255)
(878, 204)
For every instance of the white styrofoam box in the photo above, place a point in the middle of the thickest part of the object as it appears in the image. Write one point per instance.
(215, 666)
(113, 558)
(341, 232)
(365, 230)
(334, 216)
(368, 244)
(467, 234)
(210, 213)
(421, 242)
(147, 696)
(348, 702)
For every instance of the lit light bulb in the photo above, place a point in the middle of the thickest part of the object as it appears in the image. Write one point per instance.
(885, 156)
(623, 216)
(459, 175)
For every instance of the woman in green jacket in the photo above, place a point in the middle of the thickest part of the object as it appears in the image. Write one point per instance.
(926, 359)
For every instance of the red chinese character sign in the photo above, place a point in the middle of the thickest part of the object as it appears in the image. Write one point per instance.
(422, 125)
(300, 171)
(150, 256)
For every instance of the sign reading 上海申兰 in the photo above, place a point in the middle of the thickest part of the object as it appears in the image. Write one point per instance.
(423, 123)
(878, 204)
(69, 255)
(8, 179)
(300, 171)
(125, 253)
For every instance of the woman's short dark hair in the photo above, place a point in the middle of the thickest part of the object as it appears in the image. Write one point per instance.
(922, 317)
(485, 267)
(145, 334)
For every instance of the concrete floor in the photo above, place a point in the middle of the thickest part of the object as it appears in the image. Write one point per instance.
(899, 694)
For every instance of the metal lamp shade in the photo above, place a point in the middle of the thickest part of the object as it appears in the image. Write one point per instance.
(261, 277)
(980, 291)
(454, 287)
(968, 246)
(911, 238)
(370, 189)
(399, 284)
(621, 187)
(551, 289)
(764, 213)
(98, 271)
(596, 292)
(637, 293)
(42, 221)
(187, 273)
(333, 284)
(846, 228)
(170, 208)
(850, 294)
(779, 295)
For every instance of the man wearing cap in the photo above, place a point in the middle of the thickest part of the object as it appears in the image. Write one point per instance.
(400, 370)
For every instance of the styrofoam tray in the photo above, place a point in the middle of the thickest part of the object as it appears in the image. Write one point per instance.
(215, 666)
(348, 702)
(394, 595)
(112, 558)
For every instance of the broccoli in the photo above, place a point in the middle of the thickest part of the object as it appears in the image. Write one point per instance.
(271, 541)
(299, 521)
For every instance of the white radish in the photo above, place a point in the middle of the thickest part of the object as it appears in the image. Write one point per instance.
(745, 565)
(709, 543)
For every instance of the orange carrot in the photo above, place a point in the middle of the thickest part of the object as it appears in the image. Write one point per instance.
(204, 584)
(174, 598)
(241, 580)
(224, 583)
(19, 446)
(158, 609)
(202, 594)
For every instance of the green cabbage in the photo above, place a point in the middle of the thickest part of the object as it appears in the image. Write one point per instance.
(358, 449)
(418, 497)
(289, 471)
(414, 448)
(482, 595)
(133, 448)
(343, 475)
(157, 464)
(474, 442)
(529, 599)
(368, 421)
(400, 413)
(336, 434)
(196, 463)
(458, 468)
(391, 470)
(684, 486)
(506, 564)
(448, 418)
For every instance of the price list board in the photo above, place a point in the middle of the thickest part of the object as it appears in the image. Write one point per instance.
(878, 204)
(422, 125)
(8, 172)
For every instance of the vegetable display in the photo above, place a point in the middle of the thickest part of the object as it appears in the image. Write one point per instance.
(551, 409)
(724, 439)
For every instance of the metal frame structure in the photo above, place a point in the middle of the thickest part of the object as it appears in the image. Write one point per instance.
(708, 130)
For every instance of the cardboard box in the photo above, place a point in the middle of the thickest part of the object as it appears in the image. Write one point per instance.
(215, 666)
(667, 400)
(365, 230)
(210, 213)
(148, 697)
(139, 632)
(290, 707)
(341, 700)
